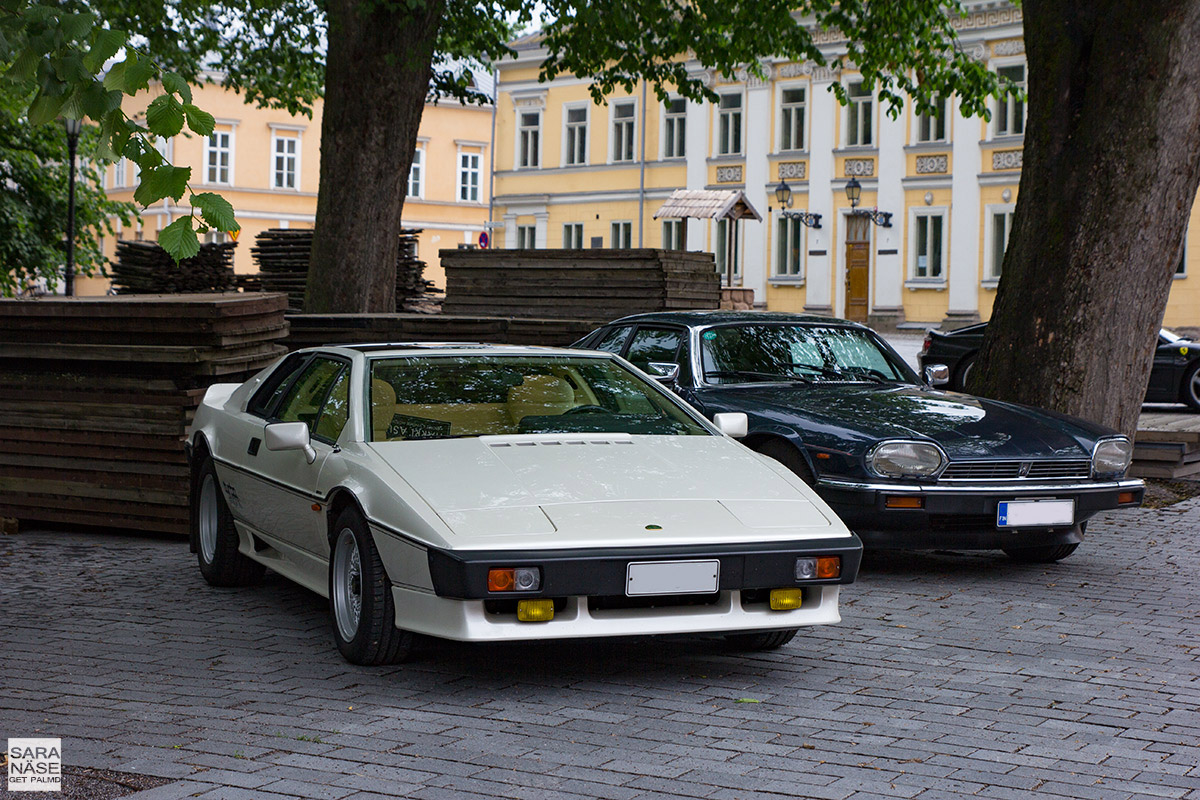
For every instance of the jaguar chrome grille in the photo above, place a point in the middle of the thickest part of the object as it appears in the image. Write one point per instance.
(1047, 470)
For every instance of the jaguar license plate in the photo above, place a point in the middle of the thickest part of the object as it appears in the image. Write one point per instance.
(1035, 513)
(672, 577)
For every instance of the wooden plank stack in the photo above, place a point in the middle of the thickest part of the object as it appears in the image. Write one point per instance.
(577, 284)
(313, 330)
(282, 256)
(1166, 445)
(145, 268)
(97, 393)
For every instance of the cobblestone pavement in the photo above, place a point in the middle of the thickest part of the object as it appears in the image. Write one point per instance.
(951, 675)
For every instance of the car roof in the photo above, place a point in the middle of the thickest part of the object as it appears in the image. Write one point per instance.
(433, 348)
(701, 318)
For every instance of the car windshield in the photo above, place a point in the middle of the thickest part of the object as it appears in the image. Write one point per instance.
(446, 397)
(797, 353)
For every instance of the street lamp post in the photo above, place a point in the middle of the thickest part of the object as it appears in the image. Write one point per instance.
(783, 193)
(73, 127)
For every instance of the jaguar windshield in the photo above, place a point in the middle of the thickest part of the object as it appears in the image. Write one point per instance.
(798, 353)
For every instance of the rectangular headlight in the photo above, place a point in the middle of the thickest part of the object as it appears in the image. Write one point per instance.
(906, 459)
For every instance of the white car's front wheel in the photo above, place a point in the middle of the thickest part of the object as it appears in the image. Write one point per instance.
(214, 533)
(360, 597)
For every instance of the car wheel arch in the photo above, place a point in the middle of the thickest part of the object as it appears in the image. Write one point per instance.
(339, 500)
(200, 451)
(756, 440)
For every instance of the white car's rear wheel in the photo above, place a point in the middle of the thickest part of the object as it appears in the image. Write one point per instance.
(767, 640)
(360, 597)
(215, 535)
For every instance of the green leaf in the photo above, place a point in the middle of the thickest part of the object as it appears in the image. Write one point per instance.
(107, 43)
(179, 239)
(747, 700)
(175, 84)
(164, 116)
(25, 65)
(115, 79)
(138, 72)
(216, 211)
(45, 108)
(199, 121)
(76, 26)
(160, 182)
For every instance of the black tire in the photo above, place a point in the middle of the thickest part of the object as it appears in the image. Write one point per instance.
(1189, 390)
(215, 535)
(963, 372)
(756, 642)
(786, 454)
(372, 637)
(1047, 554)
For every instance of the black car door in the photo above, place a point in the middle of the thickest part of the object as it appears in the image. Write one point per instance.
(1166, 373)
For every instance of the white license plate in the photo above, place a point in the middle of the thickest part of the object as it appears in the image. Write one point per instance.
(1032, 513)
(672, 577)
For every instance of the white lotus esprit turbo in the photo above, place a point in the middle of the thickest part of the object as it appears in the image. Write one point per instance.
(487, 493)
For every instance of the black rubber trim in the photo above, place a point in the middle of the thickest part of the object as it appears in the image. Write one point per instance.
(601, 571)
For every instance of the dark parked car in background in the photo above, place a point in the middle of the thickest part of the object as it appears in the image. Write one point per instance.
(1174, 378)
(903, 464)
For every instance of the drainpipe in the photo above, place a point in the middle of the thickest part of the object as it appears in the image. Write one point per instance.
(642, 177)
(492, 157)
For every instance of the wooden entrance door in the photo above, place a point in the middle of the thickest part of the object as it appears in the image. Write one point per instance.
(858, 268)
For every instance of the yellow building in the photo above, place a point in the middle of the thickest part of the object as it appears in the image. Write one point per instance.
(267, 164)
(570, 173)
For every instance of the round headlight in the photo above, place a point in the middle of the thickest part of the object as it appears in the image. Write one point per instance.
(906, 459)
(1112, 456)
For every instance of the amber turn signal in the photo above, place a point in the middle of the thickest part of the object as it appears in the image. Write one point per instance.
(501, 580)
(903, 501)
(535, 610)
(1126, 497)
(786, 599)
(829, 567)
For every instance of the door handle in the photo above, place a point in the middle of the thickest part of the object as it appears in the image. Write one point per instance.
(252, 449)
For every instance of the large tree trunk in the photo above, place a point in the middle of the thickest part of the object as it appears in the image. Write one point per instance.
(377, 74)
(1112, 150)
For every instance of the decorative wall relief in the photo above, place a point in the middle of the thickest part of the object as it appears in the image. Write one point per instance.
(793, 170)
(1007, 159)
(932, 164)
(858, 167)
(729, 174)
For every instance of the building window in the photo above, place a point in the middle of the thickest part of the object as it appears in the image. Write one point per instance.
(529, 139)
(729, 125)
(932, 127)
(1000, 229)
(576, 136)
(1010, 112)
(416, 174)
(672, 235)
(573, 236)
(526, 237)
(216, 237)
(789, 248)
(622, 235)
(622, 131)
(929, 249)
(121, 173)
(675, 129)
(468, 177)
(285, 161)
(721, 251)
(218, 158)
(791, 134)
(859, 116)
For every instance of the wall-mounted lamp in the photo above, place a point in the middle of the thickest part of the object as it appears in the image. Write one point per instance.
(854, 193)
(783, 193)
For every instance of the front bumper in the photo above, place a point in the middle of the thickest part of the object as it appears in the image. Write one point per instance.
(964, 516)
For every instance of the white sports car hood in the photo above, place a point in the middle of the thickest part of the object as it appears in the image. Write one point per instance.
(605, 489)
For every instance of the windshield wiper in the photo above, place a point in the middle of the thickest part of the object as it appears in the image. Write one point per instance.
(745, 373)
(837, 374)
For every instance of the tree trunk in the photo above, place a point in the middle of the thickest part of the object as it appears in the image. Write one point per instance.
(377, 75)
(1111, 165)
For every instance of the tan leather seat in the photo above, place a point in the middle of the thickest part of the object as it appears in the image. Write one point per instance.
(539, 395)
(383, 408)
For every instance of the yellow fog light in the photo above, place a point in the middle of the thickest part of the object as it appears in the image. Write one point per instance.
(535, 610)
(785, 599)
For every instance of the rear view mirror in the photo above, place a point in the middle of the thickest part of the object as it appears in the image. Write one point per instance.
(937, 374)
(734, 423)
(289, 436)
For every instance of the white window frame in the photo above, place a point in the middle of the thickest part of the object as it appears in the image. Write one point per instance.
(526, 237)
(210, 151)
(803, 106)
(922, 281)
(785, 265)
(720, 249)
(572, 235)
(278, 136)
(567, 126)
(629, 124)
(857, 103)
(947, 119)
(991, 270)
(1004, 111)
(464, 171)
(522, 130)
(673, 235)
(719, 115)
(681, 119)
(416, 172)
(121, 173)
(621, 234)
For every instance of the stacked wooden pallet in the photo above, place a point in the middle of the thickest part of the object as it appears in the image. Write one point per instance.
(146, 268)
(96, 395)
(1166, 445)
(577, 284)
(311, 330)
